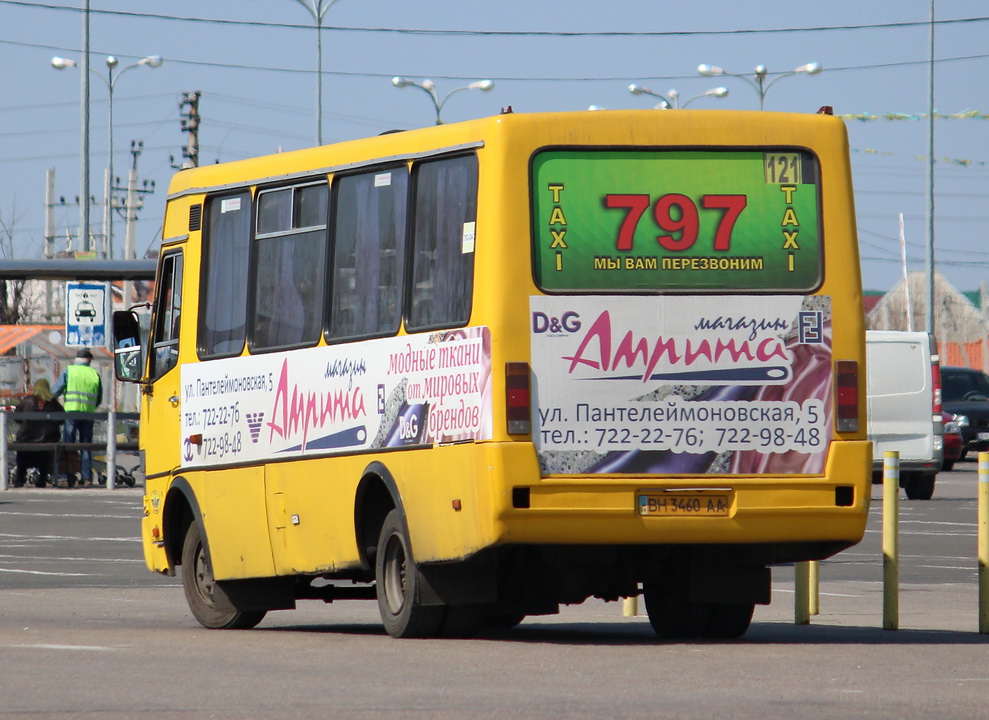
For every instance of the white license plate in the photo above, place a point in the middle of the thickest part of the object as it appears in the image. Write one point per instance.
(983, 436)
(685, 504)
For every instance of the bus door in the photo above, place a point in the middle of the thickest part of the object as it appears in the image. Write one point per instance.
(161, 421)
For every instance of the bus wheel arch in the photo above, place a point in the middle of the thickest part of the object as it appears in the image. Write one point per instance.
(179, 510)
(377, 495)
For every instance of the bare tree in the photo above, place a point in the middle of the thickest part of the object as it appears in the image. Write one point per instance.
(17, 302)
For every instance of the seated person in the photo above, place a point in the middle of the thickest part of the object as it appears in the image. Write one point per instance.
(32, 431)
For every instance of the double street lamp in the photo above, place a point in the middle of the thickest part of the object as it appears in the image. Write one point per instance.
(671, 100)
(758, 79)
(429, 87)
(318, 8)
(112, 76)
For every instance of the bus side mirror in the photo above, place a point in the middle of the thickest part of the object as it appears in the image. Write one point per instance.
(127, 363)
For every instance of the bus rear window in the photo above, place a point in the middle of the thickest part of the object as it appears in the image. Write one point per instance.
(676, 220)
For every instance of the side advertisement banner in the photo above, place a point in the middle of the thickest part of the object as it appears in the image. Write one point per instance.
(676, 384)
(390, 392)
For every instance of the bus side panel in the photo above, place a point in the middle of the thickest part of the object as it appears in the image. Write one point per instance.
(233, 506)
(311, 514)
(445, 493)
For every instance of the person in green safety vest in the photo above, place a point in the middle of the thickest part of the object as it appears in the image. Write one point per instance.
(83, 392)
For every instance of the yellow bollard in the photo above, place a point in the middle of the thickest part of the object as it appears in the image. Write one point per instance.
(984, 542)
(801, 593)
(891, 543)
(630, 606)
(814, 601)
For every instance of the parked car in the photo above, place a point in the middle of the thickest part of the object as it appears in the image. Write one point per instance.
(965, 394)
(904, 405)
(952, 441)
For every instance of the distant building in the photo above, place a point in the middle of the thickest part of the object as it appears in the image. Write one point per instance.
(959, 318)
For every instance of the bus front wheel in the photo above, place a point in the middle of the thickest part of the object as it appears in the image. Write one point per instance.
(397, 585)
(202, 591)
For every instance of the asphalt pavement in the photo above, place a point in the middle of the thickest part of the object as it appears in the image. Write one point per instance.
(87, 633)
(92, 535)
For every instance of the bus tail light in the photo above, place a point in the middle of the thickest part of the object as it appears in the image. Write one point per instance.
(846, 383)
(517, 406)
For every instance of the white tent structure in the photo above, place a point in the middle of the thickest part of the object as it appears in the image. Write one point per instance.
(957, 322)
(956, 319)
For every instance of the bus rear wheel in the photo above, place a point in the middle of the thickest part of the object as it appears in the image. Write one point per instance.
(671, 614)
(397, 586)
(728, 622)
(674, 617)
(202, 591)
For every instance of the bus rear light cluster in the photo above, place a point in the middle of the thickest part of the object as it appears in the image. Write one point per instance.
(517, 405)
(846, 382)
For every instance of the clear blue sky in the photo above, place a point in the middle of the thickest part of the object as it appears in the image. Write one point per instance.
(258, 85)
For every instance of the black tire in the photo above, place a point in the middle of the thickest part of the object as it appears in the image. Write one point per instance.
(920, 487)
(462, 621)
(397, 586)
(728, 622)
(948, 465)
(672, 615)
(202, 591)
(40, 480)
(503, 619)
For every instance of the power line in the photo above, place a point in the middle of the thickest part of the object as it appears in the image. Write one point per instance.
(498, 33)
(440, 76)
(894, 246)
(917, 261)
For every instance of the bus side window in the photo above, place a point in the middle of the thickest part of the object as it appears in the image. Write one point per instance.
(168, 314)
(290, 246)
(226, 243)
(368, 253)
(445, 212)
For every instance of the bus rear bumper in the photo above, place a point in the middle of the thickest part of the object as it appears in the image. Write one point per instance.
(827, 510)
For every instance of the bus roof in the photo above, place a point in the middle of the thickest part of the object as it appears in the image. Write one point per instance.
(619, 127)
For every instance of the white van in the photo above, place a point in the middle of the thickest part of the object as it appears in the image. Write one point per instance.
(904, 390)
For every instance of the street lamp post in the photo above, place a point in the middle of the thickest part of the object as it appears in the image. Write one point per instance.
(318, 8)
(111, 79)
(759, 83)
(671, 100)
(429, 87)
